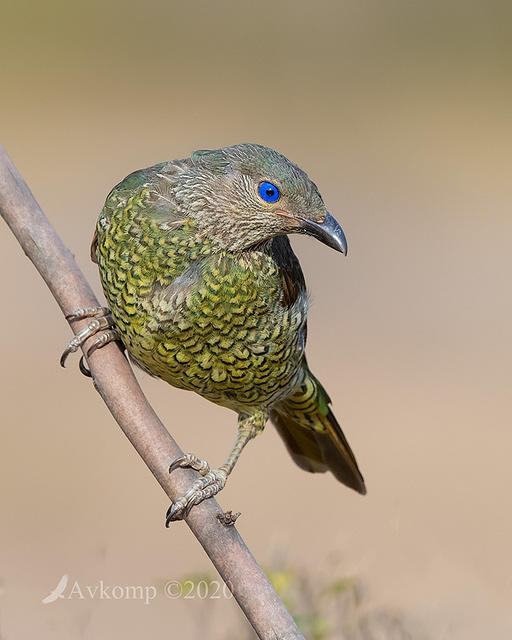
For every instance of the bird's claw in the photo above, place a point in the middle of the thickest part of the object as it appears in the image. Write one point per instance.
(88, 312)
(101, 320)
(110, 335)
(191, 461)
(206, 487)
(179, 510)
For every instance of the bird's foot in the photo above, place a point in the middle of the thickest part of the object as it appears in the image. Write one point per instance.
(189, 460)
(101, 321)
(210, 484)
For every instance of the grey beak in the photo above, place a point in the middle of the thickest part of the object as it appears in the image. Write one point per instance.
(329, 232)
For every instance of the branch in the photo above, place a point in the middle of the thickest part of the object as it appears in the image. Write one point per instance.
(114, 380)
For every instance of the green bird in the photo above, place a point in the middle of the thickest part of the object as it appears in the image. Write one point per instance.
(205, 292)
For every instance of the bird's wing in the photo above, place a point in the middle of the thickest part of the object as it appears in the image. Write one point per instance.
(292, 279)
(159, 180)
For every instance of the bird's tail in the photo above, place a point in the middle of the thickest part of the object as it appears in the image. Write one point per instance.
(313, 436)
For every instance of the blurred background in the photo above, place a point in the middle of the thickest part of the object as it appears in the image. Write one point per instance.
(401, 113)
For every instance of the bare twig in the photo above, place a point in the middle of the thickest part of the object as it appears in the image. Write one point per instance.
(120, 390)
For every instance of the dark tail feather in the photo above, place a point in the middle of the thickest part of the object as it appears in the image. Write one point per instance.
(313, 436)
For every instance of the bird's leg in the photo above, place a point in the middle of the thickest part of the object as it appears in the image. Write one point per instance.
(213, 480)
(101, 321)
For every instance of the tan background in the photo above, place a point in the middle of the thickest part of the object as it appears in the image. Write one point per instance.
(401, 112)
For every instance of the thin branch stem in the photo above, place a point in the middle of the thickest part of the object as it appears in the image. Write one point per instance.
(114, 380)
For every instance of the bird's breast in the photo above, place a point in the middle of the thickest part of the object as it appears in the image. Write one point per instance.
(214, 324)
(224, 333)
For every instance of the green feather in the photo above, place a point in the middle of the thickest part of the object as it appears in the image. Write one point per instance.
(207, 294)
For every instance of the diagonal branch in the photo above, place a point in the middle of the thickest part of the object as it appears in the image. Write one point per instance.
(114, 380)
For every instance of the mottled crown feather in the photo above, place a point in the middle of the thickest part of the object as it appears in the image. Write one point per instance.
(260, 162)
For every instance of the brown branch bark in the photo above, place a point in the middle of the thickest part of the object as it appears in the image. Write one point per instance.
(114, 380)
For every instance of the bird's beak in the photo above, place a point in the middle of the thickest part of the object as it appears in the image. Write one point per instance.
(329, 232)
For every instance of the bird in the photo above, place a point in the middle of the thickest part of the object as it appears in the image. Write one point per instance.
(204, 291)
(58, 591)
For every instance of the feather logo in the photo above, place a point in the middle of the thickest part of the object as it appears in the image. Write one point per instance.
(58, 591)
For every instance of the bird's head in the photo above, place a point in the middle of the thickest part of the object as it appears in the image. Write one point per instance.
(244, 195)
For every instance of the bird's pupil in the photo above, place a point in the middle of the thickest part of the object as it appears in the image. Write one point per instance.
(270, 192)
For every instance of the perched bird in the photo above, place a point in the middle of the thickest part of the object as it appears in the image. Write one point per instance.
(205, 292)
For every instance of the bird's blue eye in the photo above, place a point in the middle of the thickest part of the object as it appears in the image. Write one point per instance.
(268, 192)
